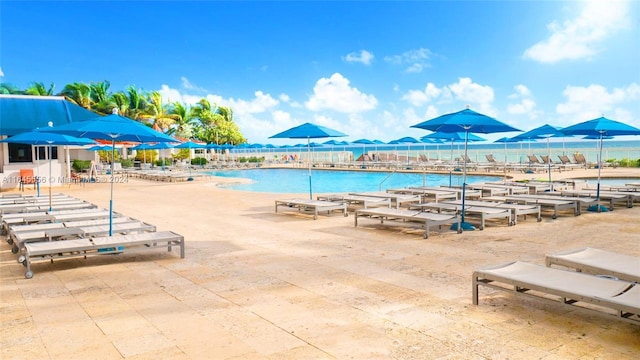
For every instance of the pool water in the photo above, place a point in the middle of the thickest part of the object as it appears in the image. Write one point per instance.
(337, 181)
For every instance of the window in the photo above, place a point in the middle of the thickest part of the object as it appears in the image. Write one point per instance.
(44, 150)
(19, 153)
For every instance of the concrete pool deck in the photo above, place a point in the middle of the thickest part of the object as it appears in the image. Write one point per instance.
(260, 285)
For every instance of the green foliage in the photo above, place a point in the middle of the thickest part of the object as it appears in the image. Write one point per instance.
(148, 155)
(198, 161)
(80, 165)
(167, 162)
(629, 162)
(126, 163)
(181, 154)
(252, 159)
(105, 156)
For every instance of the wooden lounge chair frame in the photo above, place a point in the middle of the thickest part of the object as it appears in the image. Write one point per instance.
(48, 251)
(598, 262)
(576, 290)
(408, 217)
(313, 206)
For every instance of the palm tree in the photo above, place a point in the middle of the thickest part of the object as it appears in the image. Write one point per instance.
(78, 93)
(158, 112)
(100, 97)
(6, 89)
(121, 102)
(183, 124)
(137, 103)
(38, 89)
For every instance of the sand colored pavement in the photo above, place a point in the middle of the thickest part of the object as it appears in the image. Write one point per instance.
(256, 284)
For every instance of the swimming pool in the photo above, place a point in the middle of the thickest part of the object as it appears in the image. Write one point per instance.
(336, 181)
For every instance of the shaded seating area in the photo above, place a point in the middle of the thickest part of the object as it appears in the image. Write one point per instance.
(603, 295)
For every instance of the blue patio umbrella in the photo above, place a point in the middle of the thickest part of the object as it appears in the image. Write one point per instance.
(364, 143)
(39, 137)
(160, 147)
(100, 148)
(600, 127)
(142, 147)
(467, 121)
(453, 137)
(190, 145)
(308, 131)
(543, 132)
(115, 128)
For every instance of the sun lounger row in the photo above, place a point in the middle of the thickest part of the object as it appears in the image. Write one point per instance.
(50, 250)
(605, 295)
(411, 218)
(312, 206)
(482, 212)
(74, 228)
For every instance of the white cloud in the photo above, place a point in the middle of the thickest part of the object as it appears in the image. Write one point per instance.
(261, 103)
(362, 56)
(284, 98)
(1, 72)
(416, 60)
(526, 104)
(584, 103)
(170, 95)
(419, 97)
(187, 85)
(465, 90)
(582, 36)
(336, 94)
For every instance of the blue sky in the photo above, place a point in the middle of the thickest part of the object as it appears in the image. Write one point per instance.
(368, 69)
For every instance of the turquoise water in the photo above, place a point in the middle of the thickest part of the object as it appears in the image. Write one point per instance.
(336, 181)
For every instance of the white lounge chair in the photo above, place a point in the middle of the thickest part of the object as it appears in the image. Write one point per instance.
(580, 291)
(408, 217)
(50, 250)
(313, 206)
(598, 262)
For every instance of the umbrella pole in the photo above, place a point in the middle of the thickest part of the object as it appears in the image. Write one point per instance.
(463, 225)
(549, 163)
(50, 205)
(309, 165)
(38, 172)
(113, 158)
(599, 208)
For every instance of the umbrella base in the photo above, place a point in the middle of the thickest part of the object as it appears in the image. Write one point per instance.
(464, 226)
(598, 208)
(189, 179)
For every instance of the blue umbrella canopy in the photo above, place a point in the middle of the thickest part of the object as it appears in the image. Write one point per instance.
(407, 140)
(160, 146)
(452, 136)
(100, 148)
(542, 132)
(363, 141)
(38, 137)
(190, 145)
(467, 121)
(142, 147)
(600, 127)
(115, 128)
(308, 131)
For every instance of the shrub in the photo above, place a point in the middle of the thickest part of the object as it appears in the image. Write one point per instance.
(80, 165)
(252, 159)
(167, 162)
(126, 163)
(198, 161)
